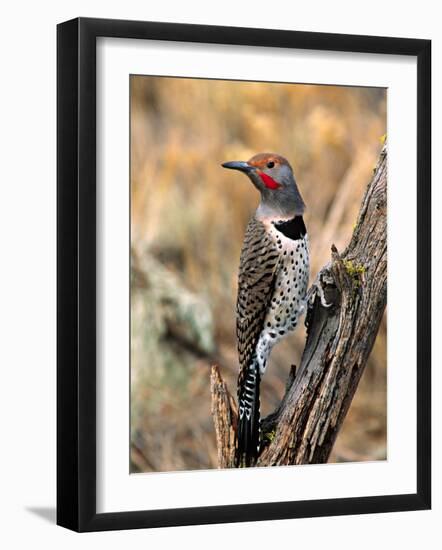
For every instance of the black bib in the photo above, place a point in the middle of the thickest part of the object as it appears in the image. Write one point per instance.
(292, 229)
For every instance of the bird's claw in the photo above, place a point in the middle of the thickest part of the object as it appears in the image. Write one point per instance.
(324, 302)
(316, 289)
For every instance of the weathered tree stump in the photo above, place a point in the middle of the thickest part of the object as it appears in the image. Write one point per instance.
(303, 429)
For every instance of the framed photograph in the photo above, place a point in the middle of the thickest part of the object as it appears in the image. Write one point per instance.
(236, 207)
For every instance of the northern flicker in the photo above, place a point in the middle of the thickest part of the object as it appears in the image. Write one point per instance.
(272, 285)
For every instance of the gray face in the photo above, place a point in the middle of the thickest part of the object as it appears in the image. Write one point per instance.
(273, 177)
(280, 173)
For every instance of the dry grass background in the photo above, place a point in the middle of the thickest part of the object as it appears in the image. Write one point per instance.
(188, 219)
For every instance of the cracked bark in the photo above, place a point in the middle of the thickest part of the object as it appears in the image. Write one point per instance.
(339, 341)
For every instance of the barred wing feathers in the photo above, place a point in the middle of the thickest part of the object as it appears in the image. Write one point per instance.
(257, 274)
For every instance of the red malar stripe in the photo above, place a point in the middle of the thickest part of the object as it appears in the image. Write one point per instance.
(269, 182)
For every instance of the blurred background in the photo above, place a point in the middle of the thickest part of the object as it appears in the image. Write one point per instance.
(188, 217)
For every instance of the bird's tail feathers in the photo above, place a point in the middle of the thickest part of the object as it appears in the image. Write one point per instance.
(248, 436)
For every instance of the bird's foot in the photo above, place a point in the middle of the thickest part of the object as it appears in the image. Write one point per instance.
(324, 302)
(317, 289)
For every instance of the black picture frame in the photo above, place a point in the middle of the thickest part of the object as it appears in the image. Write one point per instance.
(77, 287)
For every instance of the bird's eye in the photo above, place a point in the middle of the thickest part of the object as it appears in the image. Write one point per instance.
(270, 164)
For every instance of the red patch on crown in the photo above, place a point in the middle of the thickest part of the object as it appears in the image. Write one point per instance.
(269, 182)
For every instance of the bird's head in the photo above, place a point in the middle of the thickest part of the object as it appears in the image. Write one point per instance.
(273, 176)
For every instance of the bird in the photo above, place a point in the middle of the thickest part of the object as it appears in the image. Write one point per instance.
(272, 286)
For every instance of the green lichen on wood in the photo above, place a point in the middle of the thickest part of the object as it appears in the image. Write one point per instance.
(270, 436)
(355, 271)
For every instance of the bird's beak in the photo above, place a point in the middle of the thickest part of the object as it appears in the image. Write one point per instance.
(238, 165)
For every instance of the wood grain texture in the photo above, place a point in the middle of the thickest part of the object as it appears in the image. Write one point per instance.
(339, 340)
(225, 417)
